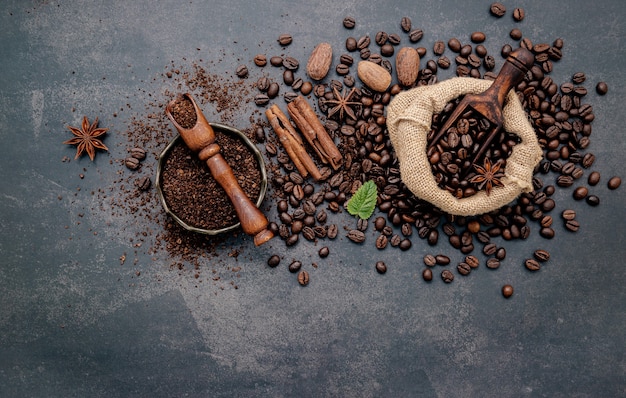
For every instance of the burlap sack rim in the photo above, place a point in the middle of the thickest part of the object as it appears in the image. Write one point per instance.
(426, 100)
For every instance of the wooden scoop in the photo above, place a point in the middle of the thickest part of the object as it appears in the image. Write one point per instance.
(489, 103)
(201, 139)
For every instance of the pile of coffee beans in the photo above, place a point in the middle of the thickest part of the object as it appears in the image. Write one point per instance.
(558, 112)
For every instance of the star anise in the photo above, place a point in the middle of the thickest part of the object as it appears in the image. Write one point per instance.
(488, 176)
(341, 103)
(86, 138)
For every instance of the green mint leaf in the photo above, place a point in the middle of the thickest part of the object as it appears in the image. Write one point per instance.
(363, 202)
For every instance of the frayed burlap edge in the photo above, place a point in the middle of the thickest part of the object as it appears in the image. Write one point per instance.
(409, 117)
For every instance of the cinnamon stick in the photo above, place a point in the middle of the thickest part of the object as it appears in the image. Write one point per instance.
(314, 132)
(292, 143)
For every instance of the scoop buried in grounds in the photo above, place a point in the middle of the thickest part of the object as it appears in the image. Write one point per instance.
(200, 138)
(489, 103)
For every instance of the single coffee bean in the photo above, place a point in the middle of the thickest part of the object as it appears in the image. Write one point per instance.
(143, 183)
(497, 9)
(303, 278)
(463, 268)
(285, 39)
(594, 178)
(518, 14)
(260, 60)
(447, 276)
(430, 260)
(489, 249)
(580, 193)
(572, 225)
(276, 60)
(439, 47)
(602, 88)
(614, 182)
(324, 252)
(501, 253)
(356, 236)
(241, 71)
(493, 263)
(381, 267)
(290, 63)
(547, 233)
(295, 266)
(568, 214)
(427, 275)
(454, 44)
(416, 35)
(507, 291)
(332, 231)
(516, 34)
(442, 259)
(532, 265)
(478, 37)
(272, 91)
(405, 244)
(292, 240)
(131, 163)
(273, 261)
(472, 261)
(405, 24)
(593, 200)
(541, 255)
(381, 242)
(138, 153)
(349, 22)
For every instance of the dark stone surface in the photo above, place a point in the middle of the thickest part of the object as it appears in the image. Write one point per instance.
(74, 321)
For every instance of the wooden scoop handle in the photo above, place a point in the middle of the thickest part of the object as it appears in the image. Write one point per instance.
(201, 139)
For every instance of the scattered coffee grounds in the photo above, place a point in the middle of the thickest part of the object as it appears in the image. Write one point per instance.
(184, 112)
(192, 193)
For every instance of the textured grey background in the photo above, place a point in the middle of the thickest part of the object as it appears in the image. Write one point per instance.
(74, 322)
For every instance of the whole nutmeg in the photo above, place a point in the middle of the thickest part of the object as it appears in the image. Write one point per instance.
(407, 66)
(374, 76)
(319, 62)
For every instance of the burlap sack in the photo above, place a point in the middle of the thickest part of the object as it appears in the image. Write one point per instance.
(409, 118)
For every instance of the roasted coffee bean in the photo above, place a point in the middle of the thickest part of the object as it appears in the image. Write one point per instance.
(356, 236)
(490, 249)
(430, 260)
(405, 244)
(427, 274)
(295, 266)
(303, 278)
(289, 96)
(395, 240)
(363, 42)
(516, 34)
(131, 163)
(276, 60)
(405, 24)
(292, 240)
(518, 14)
(602, 88)
(547, 233)
(568, 214)
(349, 22)
(290, 63)
(241, 71)
(381, 267)
(351, 44)
(442, 259)
(288, 77)
(593, 200)
(580, 193)
(447, 276)
(273, 261)
(260, 60)
(541, 255)
(478, 37)
(614, 182)
(532, 265)
(143, 183)
(272, 90)
(332, 231)
(497, 9)
(572, 225)
(308, 233)
(285, 39)
(472, 261)
(501, 253)
(416, 35)
(507, 291)
(381, 242)
(361, 224)
(463, 268)
(439, 47)
(324, 252)
(594, 178)
(493, 263)
(138, 153)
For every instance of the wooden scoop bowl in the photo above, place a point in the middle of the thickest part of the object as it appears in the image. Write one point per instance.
(201, 139)
(489, 103)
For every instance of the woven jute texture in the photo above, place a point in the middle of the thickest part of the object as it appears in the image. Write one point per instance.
(409, 118)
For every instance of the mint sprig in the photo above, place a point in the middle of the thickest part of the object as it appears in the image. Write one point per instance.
(363, 202)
